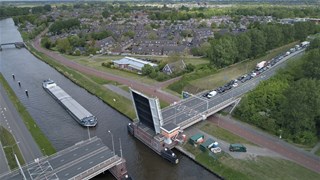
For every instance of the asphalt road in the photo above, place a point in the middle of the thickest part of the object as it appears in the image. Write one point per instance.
(12, 121)
(67, 163)
(195, 105)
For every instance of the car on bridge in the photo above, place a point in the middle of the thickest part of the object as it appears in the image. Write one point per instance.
(211, 94)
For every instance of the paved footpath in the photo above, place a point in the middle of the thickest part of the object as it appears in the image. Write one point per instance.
(12, 121)
(263, 139)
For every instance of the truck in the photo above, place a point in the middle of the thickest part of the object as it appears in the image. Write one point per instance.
(305, 44)
(261, 65)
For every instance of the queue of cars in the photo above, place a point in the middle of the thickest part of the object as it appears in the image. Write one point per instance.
(260, 68)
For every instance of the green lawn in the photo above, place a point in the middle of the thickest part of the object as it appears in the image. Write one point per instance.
(254, 168)
(35, 131)
(10, 148)
(226, 74)
(257, 168)
(96, 61)
(222, 134)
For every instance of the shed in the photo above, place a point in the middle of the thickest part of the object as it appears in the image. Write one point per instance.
(196, 139)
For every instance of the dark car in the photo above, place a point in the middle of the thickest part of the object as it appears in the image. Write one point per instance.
(205, 94)
(220, 89)
(237, 148)
(227, 86)
(248, 77)
(241, 77)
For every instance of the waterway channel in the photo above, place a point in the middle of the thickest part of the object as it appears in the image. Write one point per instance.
(63, 131)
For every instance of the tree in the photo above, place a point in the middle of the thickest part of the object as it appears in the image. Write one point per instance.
(152, 36)
(258, 42)
(147, 69)
(45, 42)
(243, 44)
(311, 66)
(314, 44)
(223, 51)
(63, 45)
(274, 36)
(300, 110)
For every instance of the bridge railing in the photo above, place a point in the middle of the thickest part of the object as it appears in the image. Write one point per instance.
(99, 168)
(207, 113)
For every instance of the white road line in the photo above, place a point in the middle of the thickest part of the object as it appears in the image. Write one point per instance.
(61, 160)
(66, 174)
(90, 162)
(79, 168)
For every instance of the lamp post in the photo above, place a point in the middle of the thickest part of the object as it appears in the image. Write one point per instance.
(112, 142)
(16, 158)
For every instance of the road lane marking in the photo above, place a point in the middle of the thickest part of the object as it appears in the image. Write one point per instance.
(90, 162)
(66, 174)
(79, 168)
(61, 160)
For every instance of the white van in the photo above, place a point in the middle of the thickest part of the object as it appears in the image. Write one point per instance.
(211, 94)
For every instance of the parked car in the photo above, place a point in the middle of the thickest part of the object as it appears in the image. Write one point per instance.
(237, 148)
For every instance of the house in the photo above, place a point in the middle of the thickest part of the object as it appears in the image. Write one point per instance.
(105, 43)
(132, 64)
(174, 67)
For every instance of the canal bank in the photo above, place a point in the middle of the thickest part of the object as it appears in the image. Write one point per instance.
(63, 131)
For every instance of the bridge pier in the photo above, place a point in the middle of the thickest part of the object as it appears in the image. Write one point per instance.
(119, 171)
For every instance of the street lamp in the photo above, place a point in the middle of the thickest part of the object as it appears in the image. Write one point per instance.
(112, 141)
(16, 158)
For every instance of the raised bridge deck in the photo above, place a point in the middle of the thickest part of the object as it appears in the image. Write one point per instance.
(84, 160)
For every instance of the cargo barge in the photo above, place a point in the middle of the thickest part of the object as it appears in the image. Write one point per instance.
(79, 113)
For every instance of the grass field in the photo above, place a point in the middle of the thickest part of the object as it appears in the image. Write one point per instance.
(10, 148)
(226, 74)
(223, 134)
(253, 168)
(35, 131)
(96, 61)
(257, 168)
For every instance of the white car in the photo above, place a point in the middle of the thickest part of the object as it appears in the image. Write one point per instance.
(235, 84)
(211, 94)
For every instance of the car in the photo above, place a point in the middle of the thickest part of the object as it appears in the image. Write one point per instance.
(235, 84)
(227, 87)
(211, 94)
(248, 77)
(220, 89)
(241, 77)
(205, 94)
(253, 74)
(237, 148)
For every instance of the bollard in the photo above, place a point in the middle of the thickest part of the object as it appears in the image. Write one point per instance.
(13, 76)
(19, 83)
(27, 93)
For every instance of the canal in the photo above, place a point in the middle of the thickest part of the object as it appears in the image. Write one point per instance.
(63, 131)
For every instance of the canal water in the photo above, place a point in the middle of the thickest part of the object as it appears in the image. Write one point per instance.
(63, 131)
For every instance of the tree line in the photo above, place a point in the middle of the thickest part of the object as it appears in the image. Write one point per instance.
(229, 49)
(288, 105)
(11, 11)
(58, 26)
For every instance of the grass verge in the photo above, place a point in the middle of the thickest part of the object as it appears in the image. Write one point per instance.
(92, 84)
(42, 141)
(254, 168)
(223, 134)
(10, 148)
